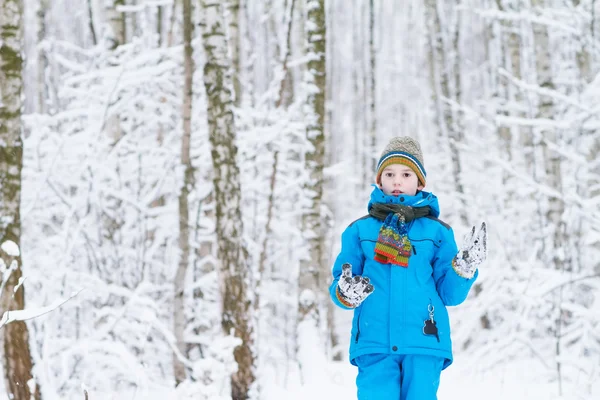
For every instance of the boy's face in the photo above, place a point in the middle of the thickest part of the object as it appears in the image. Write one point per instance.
(398, 179)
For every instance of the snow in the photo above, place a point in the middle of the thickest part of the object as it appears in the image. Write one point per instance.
(102, 175)
(30, 313)
(11, 248)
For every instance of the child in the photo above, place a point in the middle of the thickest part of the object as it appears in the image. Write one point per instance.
(398, 269)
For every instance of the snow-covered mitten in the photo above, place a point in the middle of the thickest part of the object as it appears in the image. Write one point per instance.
(352, 291)
(472, 254)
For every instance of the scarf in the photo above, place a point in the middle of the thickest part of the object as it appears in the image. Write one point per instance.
(393, 245)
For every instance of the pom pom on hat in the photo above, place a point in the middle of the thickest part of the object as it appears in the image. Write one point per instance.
(406, 151)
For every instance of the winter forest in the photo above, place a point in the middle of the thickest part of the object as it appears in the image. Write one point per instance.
(175, 176)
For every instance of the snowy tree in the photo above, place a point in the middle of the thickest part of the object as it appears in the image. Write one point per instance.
(16, 353)
(188, 182)
(311, 311)
(234, 269)
(445, 74)
(233, 24)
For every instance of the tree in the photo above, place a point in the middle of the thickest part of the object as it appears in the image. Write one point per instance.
(188, 183)
(371, 163)
(117, 22)
(16, 358)
(553, 207)
(445, 75)
(312, 271)
(233, 8)
(234, 271)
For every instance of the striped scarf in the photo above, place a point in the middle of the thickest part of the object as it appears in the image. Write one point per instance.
(393, 245)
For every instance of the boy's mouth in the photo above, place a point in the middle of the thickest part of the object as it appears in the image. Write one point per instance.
(396, 192)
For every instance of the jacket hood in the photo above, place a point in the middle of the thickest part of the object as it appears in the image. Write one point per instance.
(421, 199)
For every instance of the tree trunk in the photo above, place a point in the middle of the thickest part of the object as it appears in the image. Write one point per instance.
(445, 79)
(286, 86)
(552, 170)
(16, 360)
(372, 100)
(510, 48)
(188, 184)
(236, 317)
(312, 271)
(233, 7)
(91, 22)
(172, 23)
(358, 104)
(42, 60)
(159, 24)
(117, 22)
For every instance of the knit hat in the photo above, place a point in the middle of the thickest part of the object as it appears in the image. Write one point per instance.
(406, 151)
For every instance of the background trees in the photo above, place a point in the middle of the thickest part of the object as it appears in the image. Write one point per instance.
(162, 164)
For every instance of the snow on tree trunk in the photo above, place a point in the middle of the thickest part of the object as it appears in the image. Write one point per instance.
(90, 10)
(233, 18)
(509, 51)
(312, 273)
(553, 208)
(117, 22)
(445, 79)
(42, 59)
(188, 183)
(286, 86)
(236, 318)
(359, 103)
(16, 357)
(371, 98)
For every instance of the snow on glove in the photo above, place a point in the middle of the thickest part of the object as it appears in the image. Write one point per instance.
(472, 254)
(352, 291)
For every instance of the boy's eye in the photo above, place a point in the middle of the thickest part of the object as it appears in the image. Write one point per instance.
(406, 174)
(389, 174)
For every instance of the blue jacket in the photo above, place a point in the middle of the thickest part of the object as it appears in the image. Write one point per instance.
(391, 319)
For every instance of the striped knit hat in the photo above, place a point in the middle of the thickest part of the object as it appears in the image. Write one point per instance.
(402, 150)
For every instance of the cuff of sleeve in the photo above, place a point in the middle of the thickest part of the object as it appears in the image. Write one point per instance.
(461, 270)
(342, 299)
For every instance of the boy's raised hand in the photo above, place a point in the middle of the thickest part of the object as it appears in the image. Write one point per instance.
(353, 290)
(473, 252)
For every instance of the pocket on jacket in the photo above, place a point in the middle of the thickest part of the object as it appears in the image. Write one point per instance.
(423, 252)
(368, 245)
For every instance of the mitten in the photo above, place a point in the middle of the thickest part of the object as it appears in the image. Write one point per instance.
(351, 291)
(472, 254)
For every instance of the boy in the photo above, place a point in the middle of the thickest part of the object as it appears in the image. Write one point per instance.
(398, 269)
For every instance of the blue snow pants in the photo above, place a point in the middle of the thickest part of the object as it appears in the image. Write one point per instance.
(398, 377)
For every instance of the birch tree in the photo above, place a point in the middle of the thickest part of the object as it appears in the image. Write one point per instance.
(236, 318)
(510, 49)
(233, 8)
(312, 271)
(553, 208)
(445, 79)
(117, 22)
(42, 60)
(16, 358)
(188, 183)
(371, 163)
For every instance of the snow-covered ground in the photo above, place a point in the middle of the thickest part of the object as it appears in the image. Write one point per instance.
(509, 384)
(336, 381)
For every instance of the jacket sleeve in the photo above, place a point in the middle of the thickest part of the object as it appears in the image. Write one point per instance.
(351, 253)
(452, 288)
